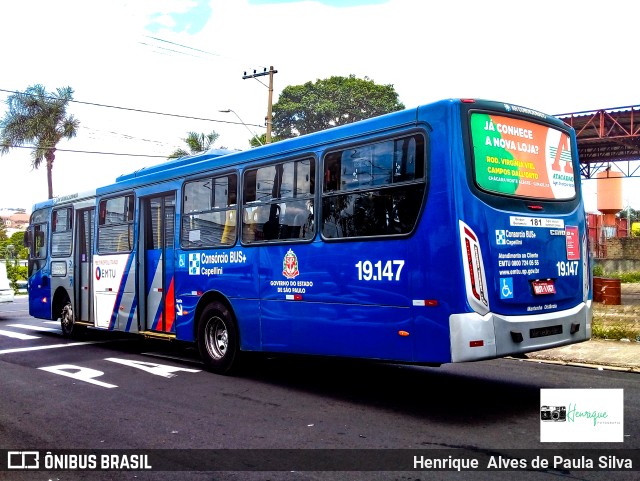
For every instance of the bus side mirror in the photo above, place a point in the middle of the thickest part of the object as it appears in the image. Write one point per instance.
(27, 239)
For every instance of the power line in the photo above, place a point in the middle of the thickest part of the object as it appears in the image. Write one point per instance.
(183, 46)
(92, 152)
(125, 136)
(190, 48)
(145, 111)
(169, 50)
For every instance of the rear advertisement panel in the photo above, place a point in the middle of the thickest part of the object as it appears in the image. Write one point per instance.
(521, 158)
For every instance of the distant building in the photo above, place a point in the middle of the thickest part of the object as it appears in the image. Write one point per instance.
(14, 220)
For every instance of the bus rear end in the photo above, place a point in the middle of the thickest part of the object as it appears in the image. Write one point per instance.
(522, 234)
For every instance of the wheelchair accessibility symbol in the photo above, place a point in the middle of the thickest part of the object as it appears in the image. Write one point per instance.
(506, 288)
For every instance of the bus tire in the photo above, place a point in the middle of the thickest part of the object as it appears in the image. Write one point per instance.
(67, 321)
(218, 340)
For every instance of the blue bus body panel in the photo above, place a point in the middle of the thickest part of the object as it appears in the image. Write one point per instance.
(523, 255)
(317, 305)
(40, 294)
(231, 272)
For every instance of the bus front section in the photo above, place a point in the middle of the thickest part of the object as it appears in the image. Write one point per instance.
(522, 233)
(38, 284)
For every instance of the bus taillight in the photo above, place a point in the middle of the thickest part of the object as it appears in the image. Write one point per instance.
(586, 272)
(474, 274)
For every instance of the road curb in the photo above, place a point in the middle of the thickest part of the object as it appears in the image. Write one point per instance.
(560, 362)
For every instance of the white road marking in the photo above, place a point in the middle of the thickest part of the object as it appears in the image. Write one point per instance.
(52, 346)
(34, 328)
(85, 374)
(152, 367)
(17, 335)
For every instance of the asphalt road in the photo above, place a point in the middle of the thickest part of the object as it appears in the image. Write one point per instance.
(111, 392)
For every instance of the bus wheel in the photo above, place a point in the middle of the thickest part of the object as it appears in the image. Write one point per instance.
(218, 340)
(67, 323)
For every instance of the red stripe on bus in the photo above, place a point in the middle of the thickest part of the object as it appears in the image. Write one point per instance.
(170, 308)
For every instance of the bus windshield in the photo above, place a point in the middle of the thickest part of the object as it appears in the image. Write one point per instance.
(521, 158)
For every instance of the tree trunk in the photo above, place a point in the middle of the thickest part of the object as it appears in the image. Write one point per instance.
(50, 156)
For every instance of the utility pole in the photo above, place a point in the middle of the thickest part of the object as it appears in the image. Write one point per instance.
(270, 73)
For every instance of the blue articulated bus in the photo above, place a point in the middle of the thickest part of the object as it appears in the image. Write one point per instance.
(450, 232)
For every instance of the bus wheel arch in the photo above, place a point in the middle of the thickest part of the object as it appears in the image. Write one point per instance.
(62, 311)
(217, 334)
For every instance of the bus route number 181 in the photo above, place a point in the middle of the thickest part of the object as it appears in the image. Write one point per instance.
(379, 271)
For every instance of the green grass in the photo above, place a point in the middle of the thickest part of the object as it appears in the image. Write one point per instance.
(616, 322)
(626, 277)
(629, 277)
(616, 330)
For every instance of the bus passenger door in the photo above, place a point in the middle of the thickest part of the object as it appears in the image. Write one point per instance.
(39, 278)
(84, 259)
(158, 224)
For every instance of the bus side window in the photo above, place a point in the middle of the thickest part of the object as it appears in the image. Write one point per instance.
(123, 244)
(248, 224)
(41, 246)
(331, 173)
(115, 224)
(209, 212)
(278, 202)
(381, 190)
(229, 230)
(271, 228)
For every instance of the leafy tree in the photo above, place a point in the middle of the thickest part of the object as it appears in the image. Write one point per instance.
(16, 272)
(258, 140)
(18, 251)
(38, 118)
(302, 109)
(197, 143)
(633, 214)
(12, 250)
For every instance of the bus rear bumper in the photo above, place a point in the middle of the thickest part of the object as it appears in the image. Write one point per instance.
(475, 337)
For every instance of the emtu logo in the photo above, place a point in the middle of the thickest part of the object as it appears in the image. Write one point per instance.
(98, 273)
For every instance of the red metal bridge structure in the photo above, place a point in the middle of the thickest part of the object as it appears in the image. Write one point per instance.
(608, 139)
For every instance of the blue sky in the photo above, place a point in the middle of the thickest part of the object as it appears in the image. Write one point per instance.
(187, 57)
(198, 13)
(191, 21)
(332, 3)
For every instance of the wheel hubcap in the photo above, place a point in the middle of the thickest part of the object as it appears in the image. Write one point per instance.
(67, 316)
(217, 338)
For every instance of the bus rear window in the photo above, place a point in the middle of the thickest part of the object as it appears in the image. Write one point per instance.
(521, 158)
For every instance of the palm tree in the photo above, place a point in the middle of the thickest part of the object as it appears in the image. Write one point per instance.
(197, 143)
(38, 118)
